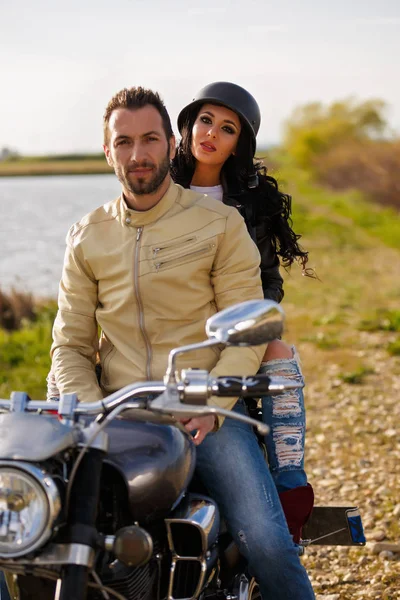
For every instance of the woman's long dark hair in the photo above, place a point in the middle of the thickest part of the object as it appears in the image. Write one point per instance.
(238, 175)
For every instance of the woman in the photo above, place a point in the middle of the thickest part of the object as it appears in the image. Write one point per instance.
(216, 157)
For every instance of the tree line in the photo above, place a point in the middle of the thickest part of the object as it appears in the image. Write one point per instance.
(347, 145)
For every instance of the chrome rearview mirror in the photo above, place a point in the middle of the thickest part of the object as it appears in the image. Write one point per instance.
(247, 324)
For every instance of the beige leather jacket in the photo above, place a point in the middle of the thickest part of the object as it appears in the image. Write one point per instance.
(149, 281)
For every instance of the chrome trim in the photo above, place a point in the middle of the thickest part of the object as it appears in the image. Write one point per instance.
(243, 588)
(146, 540)
(18, 401)
(200, 583)
(171, 376)
(130, 392)
(281, 384)
(202, 514)
(168, 403)
(194, 386)
(58, 554)
(109, 543)
(53, 499)
(249, 323)
(100, 442)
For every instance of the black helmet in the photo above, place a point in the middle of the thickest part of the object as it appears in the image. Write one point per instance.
(232, 96)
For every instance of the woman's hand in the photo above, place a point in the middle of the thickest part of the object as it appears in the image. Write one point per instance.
(202, 426)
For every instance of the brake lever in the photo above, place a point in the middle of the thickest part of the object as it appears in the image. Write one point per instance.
(168, 402)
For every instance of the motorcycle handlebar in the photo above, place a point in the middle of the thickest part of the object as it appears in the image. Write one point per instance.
(258, 385)
(229, 386)
(93, 408)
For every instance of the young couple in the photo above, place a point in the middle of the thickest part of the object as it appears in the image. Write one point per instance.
(150, 267)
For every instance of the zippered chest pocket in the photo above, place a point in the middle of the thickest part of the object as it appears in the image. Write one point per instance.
(183, 257)
(180, 251)
(172, 247)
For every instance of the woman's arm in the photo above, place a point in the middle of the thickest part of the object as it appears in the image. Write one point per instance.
(262, 236)
(272, 281)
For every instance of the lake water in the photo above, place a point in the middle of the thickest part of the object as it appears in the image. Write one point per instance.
(36, 213)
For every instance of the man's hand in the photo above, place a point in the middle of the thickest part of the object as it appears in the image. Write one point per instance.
(202, 426)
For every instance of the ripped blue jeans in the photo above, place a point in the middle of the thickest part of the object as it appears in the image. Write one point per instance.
(285, 415)
(231, 465)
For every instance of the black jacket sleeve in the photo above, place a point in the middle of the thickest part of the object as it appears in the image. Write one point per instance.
(272, 281)
(259, 229)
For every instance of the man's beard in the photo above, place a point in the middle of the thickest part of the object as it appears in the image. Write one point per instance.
(141, 186)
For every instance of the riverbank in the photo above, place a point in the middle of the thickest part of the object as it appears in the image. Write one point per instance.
(29, 168)
(68, 164)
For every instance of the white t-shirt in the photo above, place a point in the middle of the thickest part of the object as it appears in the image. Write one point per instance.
(214, 191)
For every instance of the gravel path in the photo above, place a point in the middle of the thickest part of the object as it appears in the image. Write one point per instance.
(353, 458)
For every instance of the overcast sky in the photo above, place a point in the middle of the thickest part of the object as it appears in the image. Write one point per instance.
(62, 62)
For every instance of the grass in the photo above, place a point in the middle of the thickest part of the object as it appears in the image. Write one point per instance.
(354, 249)
(383, 320)
(394, 347)
(74, 164)
(24, 355)
(358, 376)
(345, 217)
(323, 340)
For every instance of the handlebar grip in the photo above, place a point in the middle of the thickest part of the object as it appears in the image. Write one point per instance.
(258, 385)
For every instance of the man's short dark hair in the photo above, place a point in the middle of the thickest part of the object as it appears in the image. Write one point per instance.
(134, 98)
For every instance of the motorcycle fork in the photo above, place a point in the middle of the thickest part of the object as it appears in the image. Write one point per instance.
(81, 524)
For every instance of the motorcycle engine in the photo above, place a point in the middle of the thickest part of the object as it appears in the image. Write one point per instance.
(132, 583)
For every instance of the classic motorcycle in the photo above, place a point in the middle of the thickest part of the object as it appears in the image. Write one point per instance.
(97, 500)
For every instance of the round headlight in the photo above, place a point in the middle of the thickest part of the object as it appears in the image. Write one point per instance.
(29, 504)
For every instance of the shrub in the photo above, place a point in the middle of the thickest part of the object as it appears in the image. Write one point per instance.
(371, 167)
(315, 129)
(14, 308)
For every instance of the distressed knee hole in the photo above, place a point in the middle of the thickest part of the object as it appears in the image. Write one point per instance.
(289, 445)
(289, 371)
(287, 405)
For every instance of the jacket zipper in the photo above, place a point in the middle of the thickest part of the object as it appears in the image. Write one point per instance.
(161, 264)
(140, 305)
(106, 361)
(173, 245)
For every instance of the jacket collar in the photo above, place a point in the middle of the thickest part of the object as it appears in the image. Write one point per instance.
(135, 218)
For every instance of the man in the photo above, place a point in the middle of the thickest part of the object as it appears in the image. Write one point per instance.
(149, 269)
(128, 265)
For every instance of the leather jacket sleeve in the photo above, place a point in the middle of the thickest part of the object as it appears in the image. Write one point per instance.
(236, 278)
(272, 281)
(258, 228)
(75, 339)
